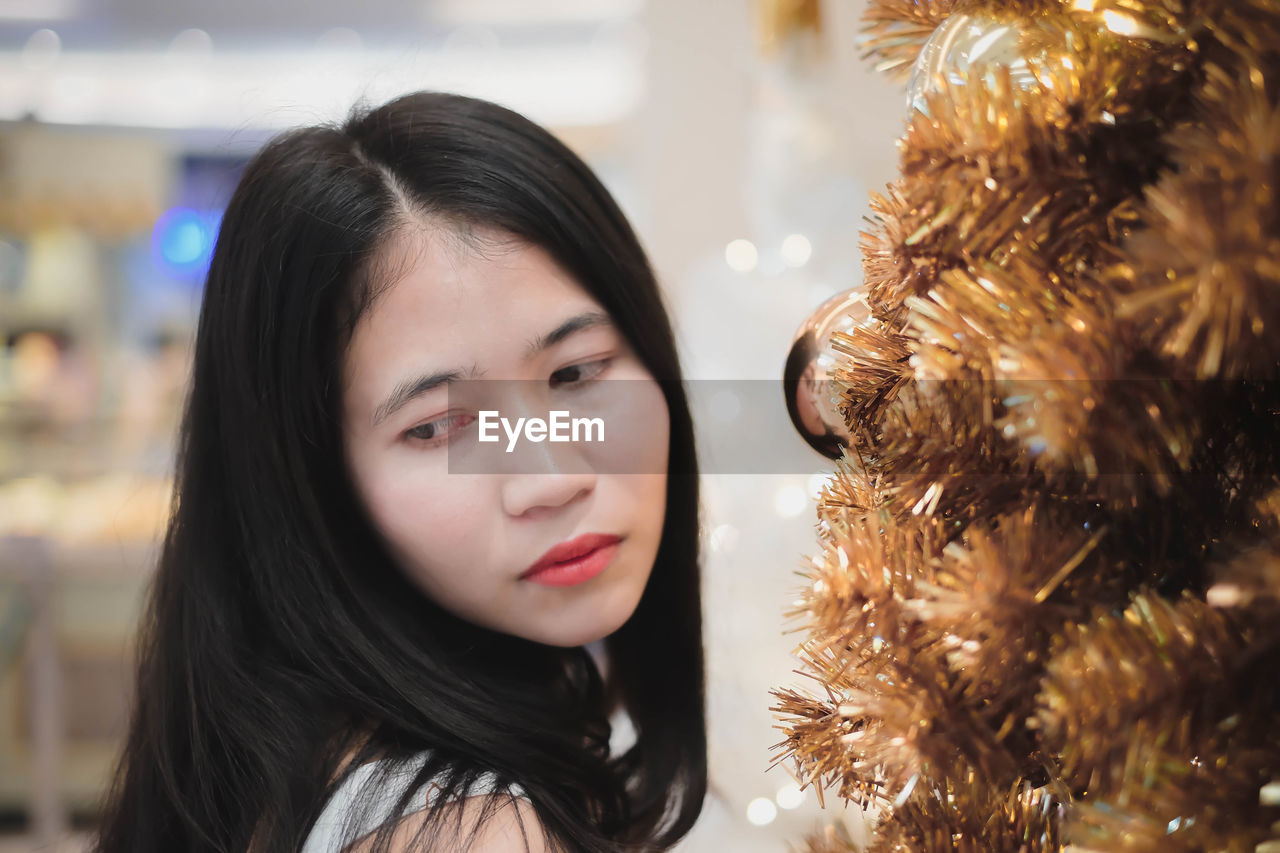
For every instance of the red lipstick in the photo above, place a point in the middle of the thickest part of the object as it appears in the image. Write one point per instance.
(574, 561)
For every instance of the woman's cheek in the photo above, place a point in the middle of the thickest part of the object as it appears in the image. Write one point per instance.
(647, 435)
(428, 512)
(636, 426)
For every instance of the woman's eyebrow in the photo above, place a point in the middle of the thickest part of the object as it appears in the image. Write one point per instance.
(406, 391)
(585, 320)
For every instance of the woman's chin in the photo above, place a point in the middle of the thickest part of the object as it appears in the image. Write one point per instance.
(568, 634)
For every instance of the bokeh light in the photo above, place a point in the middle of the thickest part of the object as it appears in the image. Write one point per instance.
(183, 239)
(761, 811)
(741, 255)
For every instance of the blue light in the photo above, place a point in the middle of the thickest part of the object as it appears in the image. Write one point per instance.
(182, 240)
(184, 243)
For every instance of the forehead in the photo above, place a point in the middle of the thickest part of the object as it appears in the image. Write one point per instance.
(476, 271)
(452, 299)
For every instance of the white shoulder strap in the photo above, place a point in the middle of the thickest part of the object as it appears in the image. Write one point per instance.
(329, 831)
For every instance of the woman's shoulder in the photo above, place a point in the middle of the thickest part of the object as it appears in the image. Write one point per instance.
(367, 798)
(510, 827)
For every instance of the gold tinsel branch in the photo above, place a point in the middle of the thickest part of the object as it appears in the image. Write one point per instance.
(974, 818)
(997, 595)
(1203, 281)
(897, 29)
(878, 371)
(1177, 733)
(889, 699)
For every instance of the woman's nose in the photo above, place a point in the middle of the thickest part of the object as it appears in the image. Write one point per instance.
(530, 494)
(541, 473)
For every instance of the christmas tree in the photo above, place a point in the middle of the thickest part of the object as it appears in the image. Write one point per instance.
(1045, 610)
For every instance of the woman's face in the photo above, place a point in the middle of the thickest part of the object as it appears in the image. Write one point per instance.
(467, 520)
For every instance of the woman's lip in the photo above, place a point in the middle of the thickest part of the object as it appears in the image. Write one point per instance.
(571, 549)
(575, 571)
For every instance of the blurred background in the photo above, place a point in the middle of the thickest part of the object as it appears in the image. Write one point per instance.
(742, 138)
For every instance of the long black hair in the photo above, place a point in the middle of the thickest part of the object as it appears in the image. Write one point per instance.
(278, 627)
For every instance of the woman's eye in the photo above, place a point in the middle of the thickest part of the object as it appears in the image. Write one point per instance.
(579, 373)
(437, 431)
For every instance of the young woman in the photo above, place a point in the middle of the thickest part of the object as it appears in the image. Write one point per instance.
(355, 641)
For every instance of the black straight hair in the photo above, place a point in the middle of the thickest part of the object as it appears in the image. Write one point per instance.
(279, 635)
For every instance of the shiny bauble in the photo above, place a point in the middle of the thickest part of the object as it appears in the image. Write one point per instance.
(969, 48)
(811, 396)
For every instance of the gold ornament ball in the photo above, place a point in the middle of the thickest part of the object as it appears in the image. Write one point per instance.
(810, 394)
(968, 48)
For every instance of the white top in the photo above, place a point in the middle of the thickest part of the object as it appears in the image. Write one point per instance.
(328, 833)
